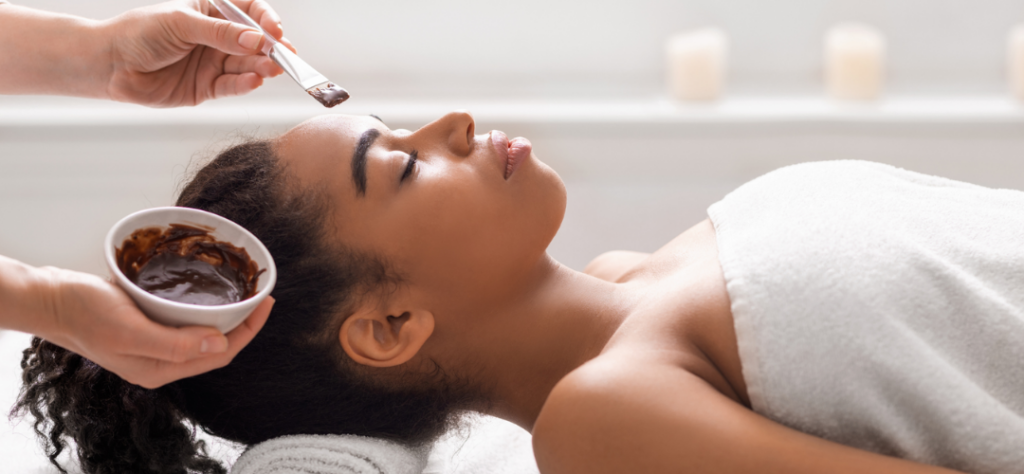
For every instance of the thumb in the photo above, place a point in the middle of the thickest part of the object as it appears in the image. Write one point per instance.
(223, 35)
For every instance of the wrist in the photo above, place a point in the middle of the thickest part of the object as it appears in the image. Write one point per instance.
(27, 296)
(89, 73)
(53, 54)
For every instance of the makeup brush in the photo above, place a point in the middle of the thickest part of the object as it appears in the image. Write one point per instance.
(328, 93)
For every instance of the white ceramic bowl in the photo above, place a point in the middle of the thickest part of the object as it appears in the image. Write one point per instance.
(223, 317)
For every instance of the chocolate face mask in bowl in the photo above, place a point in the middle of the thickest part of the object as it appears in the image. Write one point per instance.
(187, 267)
(186, 264)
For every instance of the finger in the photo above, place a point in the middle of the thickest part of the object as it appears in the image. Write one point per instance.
(159, 342)
(267, 18)
(240, 337)
(153, 373)
(259, 11)
(289, 45)
(228, 85)
(261, 65)
(225, 347)
(223, 35)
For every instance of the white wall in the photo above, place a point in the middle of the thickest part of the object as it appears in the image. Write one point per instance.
(559, 47)
(639, 170)
(633, 183)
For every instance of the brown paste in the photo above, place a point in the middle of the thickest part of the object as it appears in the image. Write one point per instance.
(186, 264)
(331, 95)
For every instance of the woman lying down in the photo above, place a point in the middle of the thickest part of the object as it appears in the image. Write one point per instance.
(827, 318)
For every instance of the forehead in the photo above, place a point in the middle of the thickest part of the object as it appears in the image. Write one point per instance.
(327, 130)
(322, 147)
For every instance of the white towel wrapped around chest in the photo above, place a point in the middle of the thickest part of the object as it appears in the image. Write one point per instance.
(882, 309)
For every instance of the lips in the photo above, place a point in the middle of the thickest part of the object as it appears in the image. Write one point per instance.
(512, 153)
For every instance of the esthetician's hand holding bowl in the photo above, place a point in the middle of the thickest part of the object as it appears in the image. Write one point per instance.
(122, 340)
(97, 320)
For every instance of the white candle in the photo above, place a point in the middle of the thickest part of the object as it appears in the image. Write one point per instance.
(1016, 61)
(854, 62)
(696, 64)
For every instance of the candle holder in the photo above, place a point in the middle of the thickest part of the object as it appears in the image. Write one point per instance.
(854, 62)
(1015, 61)
(696, 63)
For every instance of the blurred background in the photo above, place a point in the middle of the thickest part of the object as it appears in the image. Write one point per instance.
(584, 80)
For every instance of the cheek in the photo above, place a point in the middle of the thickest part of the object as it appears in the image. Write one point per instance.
(474, 236)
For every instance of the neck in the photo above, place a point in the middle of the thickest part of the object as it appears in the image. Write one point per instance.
(561, 321)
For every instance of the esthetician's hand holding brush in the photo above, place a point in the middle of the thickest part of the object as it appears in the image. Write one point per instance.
(178, 53)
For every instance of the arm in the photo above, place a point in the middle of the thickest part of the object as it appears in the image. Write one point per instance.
(164, 55)
(660, 419)
(612, 266)
(47, 53)
(95, 319)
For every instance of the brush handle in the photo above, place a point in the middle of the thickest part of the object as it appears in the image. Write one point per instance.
(235, 14)
(299, 70)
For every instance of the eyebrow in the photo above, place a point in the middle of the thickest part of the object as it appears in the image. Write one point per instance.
(359, 159)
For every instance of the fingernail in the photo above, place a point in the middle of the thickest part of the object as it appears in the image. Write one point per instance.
(250, 39)
(286, 41)
(214, 345)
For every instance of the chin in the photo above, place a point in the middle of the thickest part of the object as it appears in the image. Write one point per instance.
(549, 206)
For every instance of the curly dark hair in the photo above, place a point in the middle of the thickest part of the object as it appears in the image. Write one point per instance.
(293, 378)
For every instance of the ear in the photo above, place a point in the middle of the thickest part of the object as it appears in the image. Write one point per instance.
(377, 337)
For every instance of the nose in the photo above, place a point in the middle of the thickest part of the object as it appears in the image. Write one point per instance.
(454, 129)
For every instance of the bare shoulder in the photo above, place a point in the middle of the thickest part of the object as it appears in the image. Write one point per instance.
(599, 417)
(616, 415)
(612, 266)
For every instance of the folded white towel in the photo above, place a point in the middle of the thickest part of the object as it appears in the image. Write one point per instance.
(331, 454)
(487, 445)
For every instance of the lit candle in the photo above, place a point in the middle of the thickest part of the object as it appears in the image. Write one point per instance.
(1016, 61)
(696, 64)
(854, 62)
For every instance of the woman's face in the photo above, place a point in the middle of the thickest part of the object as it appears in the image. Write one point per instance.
(438, 203)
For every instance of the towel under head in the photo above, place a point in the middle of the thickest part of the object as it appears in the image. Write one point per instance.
(333, 454)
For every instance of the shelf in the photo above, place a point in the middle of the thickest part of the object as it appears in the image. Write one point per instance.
(47, 112)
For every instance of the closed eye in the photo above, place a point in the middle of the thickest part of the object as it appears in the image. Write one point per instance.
(409, 165)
